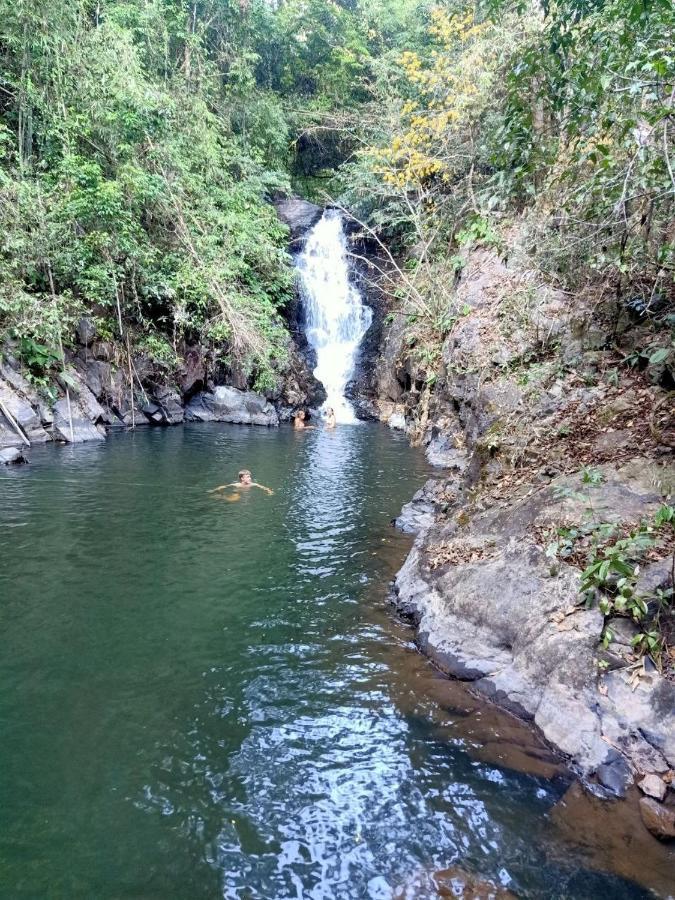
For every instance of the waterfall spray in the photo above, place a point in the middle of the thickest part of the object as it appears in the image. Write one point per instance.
(336, 318)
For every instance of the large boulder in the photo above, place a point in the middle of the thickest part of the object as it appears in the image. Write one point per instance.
(73, 425)
(300, 215)
(227, 404)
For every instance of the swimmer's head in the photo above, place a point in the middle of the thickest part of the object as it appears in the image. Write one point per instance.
(245, 477)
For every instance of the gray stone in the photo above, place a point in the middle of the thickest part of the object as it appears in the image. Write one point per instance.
(488, 609)
(83, 429)
(300, 215)
(655, 575)
(420, 513)
(653, 786)
(85, 397)
(154, 413)
(11, 455)
(227, 404)
(23, 413)
(442, 451)
(615, 775)
(86, 331)
(170, 404)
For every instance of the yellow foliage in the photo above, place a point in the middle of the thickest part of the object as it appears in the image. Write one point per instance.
(447, 92)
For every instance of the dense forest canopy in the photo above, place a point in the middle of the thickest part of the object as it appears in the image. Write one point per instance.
(141, 142)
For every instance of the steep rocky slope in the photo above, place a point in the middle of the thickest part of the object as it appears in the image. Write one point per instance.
(550, 449)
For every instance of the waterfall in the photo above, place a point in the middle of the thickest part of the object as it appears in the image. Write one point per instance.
(336, 318)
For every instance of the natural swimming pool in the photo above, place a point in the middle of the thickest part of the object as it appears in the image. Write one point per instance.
(204, 699)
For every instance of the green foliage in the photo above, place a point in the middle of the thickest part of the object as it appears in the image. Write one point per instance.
(612, 564)
(565, 117)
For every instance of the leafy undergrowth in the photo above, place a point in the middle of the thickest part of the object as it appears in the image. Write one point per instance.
(612, 557)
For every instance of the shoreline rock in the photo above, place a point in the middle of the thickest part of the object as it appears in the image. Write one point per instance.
(227, 404)
(490, 609)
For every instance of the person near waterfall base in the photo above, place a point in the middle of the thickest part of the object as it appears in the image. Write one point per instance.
(244, 480)
(299, 420)
(329, 420)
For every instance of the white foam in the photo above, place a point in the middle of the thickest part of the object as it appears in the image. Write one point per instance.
(335, 315)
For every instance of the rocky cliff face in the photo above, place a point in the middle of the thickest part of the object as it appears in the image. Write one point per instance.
(105, 387)
(543, 438)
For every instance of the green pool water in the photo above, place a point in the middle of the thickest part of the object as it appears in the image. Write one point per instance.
(202, 699)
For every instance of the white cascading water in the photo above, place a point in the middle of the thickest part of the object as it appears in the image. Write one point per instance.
(336, 319)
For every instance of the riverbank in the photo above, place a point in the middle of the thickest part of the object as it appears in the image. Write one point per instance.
(552, 427)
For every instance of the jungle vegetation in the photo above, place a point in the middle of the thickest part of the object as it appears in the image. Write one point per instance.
(141, 142)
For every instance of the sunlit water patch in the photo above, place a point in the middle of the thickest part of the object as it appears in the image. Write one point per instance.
(202, 699)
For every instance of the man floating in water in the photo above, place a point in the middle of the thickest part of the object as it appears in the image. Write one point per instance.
(245, 481)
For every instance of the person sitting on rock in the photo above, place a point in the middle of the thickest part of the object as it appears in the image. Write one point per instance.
(245, 480)
(330, 421)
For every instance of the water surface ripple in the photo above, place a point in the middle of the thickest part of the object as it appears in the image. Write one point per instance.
(205, 699)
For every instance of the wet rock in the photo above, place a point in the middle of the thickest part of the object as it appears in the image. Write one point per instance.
(23, 414)
(227, 404)
(85, 331)
(612, 838)
(659, 818)
(300, 215)
(615, 775)
(489, 608)
(169, 402)
(192, 374)
(154, 414)
(11, 456)
(420, 513)
(653, 786)
(83, 429)
(390, 374)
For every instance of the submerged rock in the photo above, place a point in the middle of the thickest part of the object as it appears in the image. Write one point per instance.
(659, 818)
(228, 404)
(12, 456)
(454, 881)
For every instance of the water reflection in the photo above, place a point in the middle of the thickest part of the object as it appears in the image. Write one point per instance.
(230, 711)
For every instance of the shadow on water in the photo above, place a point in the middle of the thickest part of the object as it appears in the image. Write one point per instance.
(205, 699)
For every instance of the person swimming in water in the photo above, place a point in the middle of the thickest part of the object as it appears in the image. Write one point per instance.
(330, 421)
(245, 480)
(299, 420)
